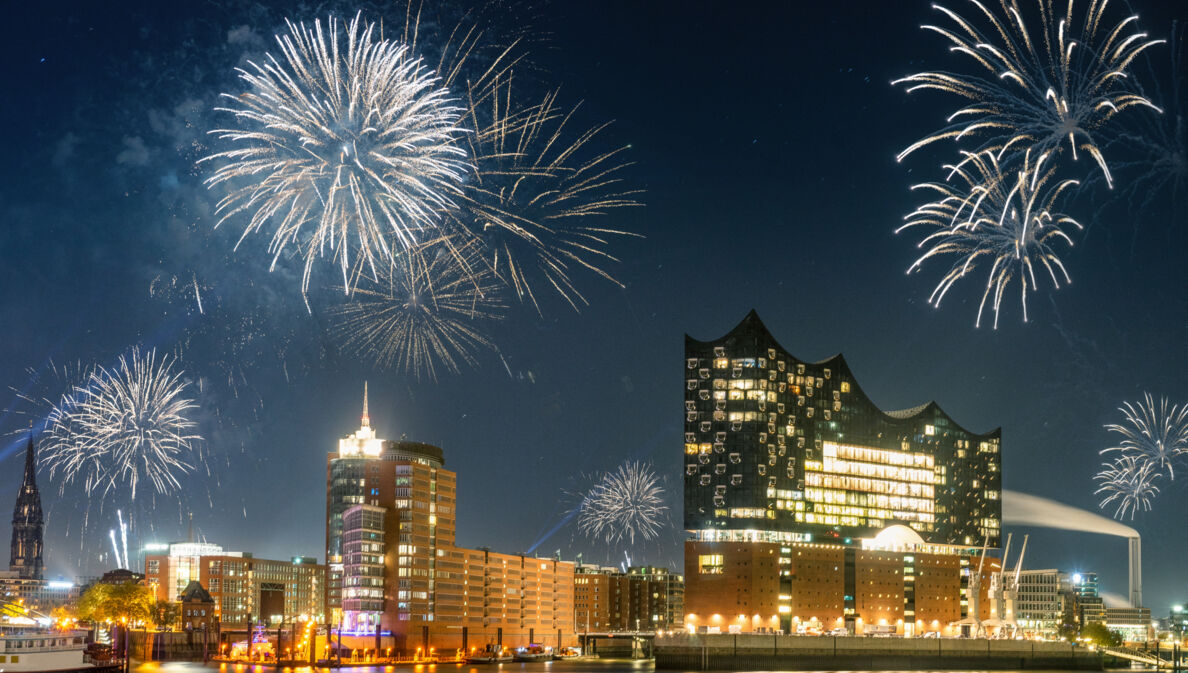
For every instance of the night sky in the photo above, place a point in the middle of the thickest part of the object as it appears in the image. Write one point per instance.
(765, 139)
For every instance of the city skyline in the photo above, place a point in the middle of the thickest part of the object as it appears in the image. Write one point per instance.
(768, 164)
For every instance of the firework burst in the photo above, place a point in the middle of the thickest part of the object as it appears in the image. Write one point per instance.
(1157, 147)
(124, 425)
(1127, 483)
(539, 192)
(345, 150)
(1154, 434)
(1005, 219)
(623, 504)
(1043, 79)
(424, 310)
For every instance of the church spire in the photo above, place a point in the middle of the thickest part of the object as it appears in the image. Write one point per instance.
(27, 521)
(30, 464)
(366, 418)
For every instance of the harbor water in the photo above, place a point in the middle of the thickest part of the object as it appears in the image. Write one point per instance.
(600, 666)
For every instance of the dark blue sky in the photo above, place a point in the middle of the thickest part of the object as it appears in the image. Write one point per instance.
(765, 138)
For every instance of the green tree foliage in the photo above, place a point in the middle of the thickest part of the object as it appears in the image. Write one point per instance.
(128, 602)
(1099, 635)
(166, 614)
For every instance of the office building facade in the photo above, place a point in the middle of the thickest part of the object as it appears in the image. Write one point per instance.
(40, 595)
(244, 589)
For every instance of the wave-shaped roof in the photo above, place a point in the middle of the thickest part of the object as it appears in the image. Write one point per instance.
(751, 327)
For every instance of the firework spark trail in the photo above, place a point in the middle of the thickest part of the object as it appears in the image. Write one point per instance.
(123, 535)
(538, 194)
(1155, 434)
(1004, 218)
(1157, 147)
(124, 425)
(1039, 80)
(425, 309)
(1129, 484)
(358, 145)
(625, 503)
(115, 550)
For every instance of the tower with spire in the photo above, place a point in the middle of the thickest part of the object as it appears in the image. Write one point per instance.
(362, 443)
(27, 522)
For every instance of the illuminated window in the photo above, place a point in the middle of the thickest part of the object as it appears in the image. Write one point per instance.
(710, 564)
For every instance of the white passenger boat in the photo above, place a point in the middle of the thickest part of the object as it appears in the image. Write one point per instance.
(35, 649)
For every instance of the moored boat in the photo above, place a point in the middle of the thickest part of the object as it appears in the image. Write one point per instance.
(534, 652)
(491, 654)
(567, 653)
(34, 649)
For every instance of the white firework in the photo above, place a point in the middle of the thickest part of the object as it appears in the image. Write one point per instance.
(1006, 219)
(426, 311)
(343, 147)
(1156, 434)
(1038, 76)
(122, 426)
(542, 194)
(625, 503)
(1128, 483)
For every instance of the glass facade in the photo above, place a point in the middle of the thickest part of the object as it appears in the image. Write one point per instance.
(363, 568)
(781, 449)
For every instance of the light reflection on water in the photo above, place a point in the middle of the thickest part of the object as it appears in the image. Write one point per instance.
(609, 666)
(606, 666)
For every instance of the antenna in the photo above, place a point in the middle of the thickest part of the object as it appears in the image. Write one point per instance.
(366, 418)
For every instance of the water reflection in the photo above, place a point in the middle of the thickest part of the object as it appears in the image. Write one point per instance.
(616, 666)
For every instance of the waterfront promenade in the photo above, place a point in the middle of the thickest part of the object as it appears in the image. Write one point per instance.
(749, 652)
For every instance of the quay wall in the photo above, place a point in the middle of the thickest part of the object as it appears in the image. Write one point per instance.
(755, 652)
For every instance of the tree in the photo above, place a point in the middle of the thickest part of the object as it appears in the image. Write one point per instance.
(166, 614)
(1099, 635)
(129, 603)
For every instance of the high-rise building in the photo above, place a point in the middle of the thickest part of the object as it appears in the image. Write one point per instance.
(396, 575)
(792, 472)
(783, 450)
(407, 477)
(27, 522)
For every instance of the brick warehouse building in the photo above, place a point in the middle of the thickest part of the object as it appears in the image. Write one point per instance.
(641, 598)
(809, 508)
(396, 577)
